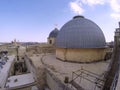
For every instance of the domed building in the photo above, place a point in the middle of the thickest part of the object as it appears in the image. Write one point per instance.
(52, 36)
(80, 40)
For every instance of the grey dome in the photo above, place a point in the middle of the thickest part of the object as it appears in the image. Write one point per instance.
(54, 33)
(80, 33)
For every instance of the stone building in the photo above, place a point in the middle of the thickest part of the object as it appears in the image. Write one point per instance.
(52, 36)
(80, 40)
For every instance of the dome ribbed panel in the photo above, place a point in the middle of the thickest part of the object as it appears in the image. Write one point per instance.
(80, 33)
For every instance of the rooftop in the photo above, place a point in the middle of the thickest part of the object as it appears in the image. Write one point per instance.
(20, 80)
(5, 70)
(62, 69)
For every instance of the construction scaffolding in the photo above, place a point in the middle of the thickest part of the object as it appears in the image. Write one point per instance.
(87, 80)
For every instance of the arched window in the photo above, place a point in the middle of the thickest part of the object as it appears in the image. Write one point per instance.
(50, 41)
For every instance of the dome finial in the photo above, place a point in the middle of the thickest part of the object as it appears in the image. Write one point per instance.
(78, 16)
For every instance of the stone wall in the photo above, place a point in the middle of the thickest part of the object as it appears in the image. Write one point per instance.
(39, 49)
(54, 83)
(80, 55)
(37, 71)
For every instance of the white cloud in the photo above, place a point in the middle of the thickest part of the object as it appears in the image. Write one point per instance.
(93, 2)
(115, 15)
(76, 7)
(115, 5)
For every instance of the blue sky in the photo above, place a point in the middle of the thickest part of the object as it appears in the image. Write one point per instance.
(33, 20)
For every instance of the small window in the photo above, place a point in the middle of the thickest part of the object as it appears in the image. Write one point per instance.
(50, 41)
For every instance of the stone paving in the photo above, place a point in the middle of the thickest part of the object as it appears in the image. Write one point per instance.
(62, 69)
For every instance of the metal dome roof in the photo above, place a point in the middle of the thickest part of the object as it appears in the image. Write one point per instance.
(54, 33)
(80, 33)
